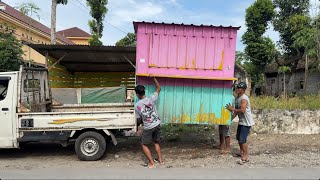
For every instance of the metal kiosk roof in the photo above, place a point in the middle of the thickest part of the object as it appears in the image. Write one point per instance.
(84, 58)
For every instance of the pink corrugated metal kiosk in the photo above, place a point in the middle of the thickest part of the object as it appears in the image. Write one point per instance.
(195, 68)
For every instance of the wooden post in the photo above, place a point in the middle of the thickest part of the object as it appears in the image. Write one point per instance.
(47, 59)
(306, 75)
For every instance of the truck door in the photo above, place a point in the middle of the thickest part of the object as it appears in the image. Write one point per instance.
(7, 111)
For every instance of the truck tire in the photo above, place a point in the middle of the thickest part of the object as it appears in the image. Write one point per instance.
(90, 146)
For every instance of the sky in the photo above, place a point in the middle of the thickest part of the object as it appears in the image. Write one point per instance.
(121, 14)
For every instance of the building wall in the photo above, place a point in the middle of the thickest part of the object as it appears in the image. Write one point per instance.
(242, 76)
(185, 51)
(294, 83)
(29, 35)
(189, 101)
(80, 41)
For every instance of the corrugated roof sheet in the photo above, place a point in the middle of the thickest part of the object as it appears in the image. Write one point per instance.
(274, 66)
(182, 24)
(84, 58)
(31, 22)
(74, 32)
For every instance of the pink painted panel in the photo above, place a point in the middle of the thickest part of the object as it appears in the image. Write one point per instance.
(185, 50)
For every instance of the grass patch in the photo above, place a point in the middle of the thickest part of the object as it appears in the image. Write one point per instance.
(310, 102)
(185, 128)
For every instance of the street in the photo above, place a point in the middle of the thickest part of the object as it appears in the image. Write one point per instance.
(175, 173)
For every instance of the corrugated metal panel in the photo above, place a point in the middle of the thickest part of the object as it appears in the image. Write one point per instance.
(192, 101)
(191, 51)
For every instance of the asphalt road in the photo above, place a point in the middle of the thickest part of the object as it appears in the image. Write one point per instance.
(172, 173)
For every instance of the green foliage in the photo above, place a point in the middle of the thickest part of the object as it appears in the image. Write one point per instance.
(10, 49)
(292, 16)
(29, 9)
(241, 57)
(129, 40)
(306, 38)
(309, 102)
(94, 41)
(64, 2)
(98, 11)
(284, 69)
(260, 50)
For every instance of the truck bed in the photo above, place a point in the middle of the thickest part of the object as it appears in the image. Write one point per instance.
(93, 107)
(55, 121)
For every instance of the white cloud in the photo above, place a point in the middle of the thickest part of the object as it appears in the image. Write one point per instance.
(120, 14)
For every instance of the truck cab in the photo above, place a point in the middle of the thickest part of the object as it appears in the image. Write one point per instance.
(8, 109)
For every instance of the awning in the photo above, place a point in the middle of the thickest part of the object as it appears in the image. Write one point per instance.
(84, 58)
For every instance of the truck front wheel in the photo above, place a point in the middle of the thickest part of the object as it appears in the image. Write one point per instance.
(90, 146)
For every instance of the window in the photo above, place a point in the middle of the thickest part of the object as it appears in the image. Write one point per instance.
(22, 35)
(301, 85)
(30, 37)
(273, 81)
(33, 85)
(4, 83)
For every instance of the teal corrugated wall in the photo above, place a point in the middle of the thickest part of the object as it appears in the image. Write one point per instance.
(192, 103)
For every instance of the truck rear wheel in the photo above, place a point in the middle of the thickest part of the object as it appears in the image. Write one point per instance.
(90, 146)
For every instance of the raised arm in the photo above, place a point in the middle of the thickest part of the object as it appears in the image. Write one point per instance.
(158, 88)
(242, 109)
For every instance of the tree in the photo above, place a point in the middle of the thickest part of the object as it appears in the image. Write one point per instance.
(10, 49)
(29, 9)
(283, 70)
(291, 17)
(54, 18)
(129, 40)
(98, 11)
(306, 38)
(260, 50)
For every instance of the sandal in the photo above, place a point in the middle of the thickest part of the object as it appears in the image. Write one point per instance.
(146, 165)
(242, 162)
(157, 161)
(237, 155)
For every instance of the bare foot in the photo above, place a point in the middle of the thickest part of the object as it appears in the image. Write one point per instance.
(160, 161)
(151, 166)
(225, 151)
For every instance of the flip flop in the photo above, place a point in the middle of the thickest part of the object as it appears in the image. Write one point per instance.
(242, 162)
(237, 155)
(146, 165)
(157, 161)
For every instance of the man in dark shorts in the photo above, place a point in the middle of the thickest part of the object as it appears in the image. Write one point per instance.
(242, 109)
(146, 113)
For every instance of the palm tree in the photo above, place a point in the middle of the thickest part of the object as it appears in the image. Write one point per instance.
(283, 70)
(54, 18)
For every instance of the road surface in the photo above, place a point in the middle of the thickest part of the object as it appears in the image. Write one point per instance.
(173, 173)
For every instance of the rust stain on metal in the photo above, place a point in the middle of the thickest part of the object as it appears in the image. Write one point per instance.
(193, 63)
(203, 117)
(221, 61)
(64, 121)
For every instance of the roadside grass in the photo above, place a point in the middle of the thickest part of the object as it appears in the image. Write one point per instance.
(308, 102)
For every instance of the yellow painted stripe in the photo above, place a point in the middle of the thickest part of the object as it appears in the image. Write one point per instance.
(188, 77)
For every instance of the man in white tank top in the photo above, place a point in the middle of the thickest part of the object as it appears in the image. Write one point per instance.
(242, 109)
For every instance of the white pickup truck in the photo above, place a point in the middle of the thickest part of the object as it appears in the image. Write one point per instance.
(28, 114)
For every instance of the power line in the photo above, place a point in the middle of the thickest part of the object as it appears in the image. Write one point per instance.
(124, 31)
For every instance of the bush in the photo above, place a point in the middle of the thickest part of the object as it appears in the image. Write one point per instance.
(309, 102)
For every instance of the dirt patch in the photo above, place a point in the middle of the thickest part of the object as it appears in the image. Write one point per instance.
(195, 149)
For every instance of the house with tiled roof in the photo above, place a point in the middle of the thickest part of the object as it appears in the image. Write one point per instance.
(30, 30)
(76, 35)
